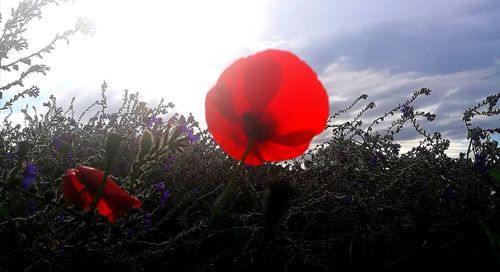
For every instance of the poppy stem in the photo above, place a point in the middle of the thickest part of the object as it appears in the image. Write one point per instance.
(222, 202)
(227, 195)
(101, 187)
(112, 147)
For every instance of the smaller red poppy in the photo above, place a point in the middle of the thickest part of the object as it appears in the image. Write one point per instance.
(80, 187)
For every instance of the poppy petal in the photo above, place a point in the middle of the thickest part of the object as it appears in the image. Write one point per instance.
(218, 97)
(114, 208)
(233, 143)
(104, 209)
(272, 151)
(116, 195)
(302, 101)
(272, 99)
(90, 177)
(294, 138)
(262, 77)
(80, 186)
(74, 191)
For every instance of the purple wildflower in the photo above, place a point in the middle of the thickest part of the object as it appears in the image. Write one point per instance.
(29, 176)
(188, 132)
(147, 221)
(31, 207)
(374, 159)
(61, 248)
(165, 193)
(9, 156)
(60, 216)
(160, 186)
(129, 233)
(70, 159)
(190, 136)
(164, 197)
(407, 111)
(169, 162)
(56, 143)
(195, 190)
(152, 120)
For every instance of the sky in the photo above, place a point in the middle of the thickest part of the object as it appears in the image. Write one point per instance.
(177, 49)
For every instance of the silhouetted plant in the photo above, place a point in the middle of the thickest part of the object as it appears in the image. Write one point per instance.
(351, 202)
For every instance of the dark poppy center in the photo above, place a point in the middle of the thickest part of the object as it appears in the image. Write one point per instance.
(258, 127)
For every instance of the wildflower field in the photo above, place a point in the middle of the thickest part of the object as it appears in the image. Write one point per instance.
(144, 189)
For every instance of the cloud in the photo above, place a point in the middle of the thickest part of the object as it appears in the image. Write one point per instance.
(430, 38)
(452, 94)
(386, 50)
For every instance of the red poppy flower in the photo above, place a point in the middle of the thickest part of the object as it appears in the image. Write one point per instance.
(273, 100)
(80, 186)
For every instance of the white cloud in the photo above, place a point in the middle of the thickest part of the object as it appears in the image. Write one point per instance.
(177, 50)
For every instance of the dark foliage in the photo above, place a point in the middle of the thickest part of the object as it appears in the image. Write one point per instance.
(353, 202)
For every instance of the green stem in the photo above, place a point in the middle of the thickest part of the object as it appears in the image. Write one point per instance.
(221, 202)
(227, 194)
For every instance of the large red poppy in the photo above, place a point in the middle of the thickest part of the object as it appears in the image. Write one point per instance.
(80, 187)
(273, 100)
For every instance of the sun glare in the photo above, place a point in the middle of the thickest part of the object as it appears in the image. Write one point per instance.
(161, 49)
(170, 49)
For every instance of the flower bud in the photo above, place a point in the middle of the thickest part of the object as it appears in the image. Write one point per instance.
(113, 144)
(146, 144)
